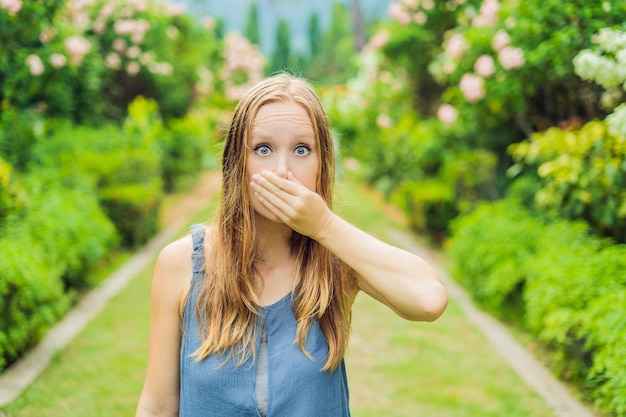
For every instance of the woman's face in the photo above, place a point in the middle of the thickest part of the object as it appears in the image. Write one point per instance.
(282, 141)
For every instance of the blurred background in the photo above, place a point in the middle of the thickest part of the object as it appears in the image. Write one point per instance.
(497, 127)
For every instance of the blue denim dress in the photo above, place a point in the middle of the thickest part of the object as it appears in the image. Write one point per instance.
(296, 386)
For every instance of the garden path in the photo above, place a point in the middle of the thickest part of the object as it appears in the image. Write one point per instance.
(15, 379)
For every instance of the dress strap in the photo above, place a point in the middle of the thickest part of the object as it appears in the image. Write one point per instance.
(197, 256)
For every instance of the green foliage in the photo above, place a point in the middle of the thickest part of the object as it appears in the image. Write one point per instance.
(114, 162)
(48, 246)
(315, 33)
(415, 42)
(604, 323)
(252, 24)
(533, 84)
(134, 208)
(89, 60)
(491, 248)
(429, 205)
(282, 50)
(332, 59)
(559, 282)
(582, 174)
(19, 133)
(31, 294)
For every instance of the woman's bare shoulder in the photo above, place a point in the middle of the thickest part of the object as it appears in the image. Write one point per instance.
(176, 256)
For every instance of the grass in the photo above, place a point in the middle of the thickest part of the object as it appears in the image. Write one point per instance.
(396, 368)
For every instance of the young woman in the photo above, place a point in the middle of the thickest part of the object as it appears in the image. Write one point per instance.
(251, 316)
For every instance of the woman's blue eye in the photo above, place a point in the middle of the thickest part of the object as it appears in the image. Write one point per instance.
(302, 150)
(262, 150)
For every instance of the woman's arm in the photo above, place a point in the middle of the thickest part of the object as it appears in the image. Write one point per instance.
(172, 273)
(403, 281)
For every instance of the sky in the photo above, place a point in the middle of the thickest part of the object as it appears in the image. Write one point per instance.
(297, 13)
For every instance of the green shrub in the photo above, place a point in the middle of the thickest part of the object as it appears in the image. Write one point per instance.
(558, 281)
(429, 205)
(581, 172)
(186, 145)
(12, 193)
(492, 247)
(20, 131)
(31, 294)
(604, 324)
(134, 208)
(565, 274)
(69, 224)
(47, 249)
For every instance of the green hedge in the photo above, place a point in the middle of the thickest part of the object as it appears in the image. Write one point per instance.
(556, 280)
(48, 248)
(134, 208)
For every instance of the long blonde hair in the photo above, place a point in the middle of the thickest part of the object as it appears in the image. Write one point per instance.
(228, 306)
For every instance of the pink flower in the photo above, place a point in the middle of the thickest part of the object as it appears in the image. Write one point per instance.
(119, 45)
(113, 61)
(456, 46)
(420, 18)
(46, 35)
(485, 66)
(397, 13)
(11, 6)
(511, 57)
(58, 60)
(107, 10)
(99, 27)
(447, 114)
(488, 14)
(162, 68)
(135, 28)
(380, 39)
(174, 9)
(132, 68)
(500, 40)
(351, 164)
(428, 4)
(133, 52)
(473, 87)
(35, 66)
(77, 47)
(383, 121)
(411, 4)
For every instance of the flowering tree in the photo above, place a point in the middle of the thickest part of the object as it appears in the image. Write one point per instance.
(89, 59)
(509, 67)
(243, 66)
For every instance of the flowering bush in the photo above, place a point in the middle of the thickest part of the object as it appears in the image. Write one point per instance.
(606, 66)
(507, 70)
(243, 66)
(415, 37)
(89, 59)
(582, 174)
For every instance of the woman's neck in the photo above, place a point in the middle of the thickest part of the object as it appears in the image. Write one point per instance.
(274, 241)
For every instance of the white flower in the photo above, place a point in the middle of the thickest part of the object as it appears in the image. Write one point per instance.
(616, 121)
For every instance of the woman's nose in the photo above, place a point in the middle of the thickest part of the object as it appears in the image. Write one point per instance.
(282, 167)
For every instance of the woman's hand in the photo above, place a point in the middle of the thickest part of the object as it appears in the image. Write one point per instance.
(292, 203)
